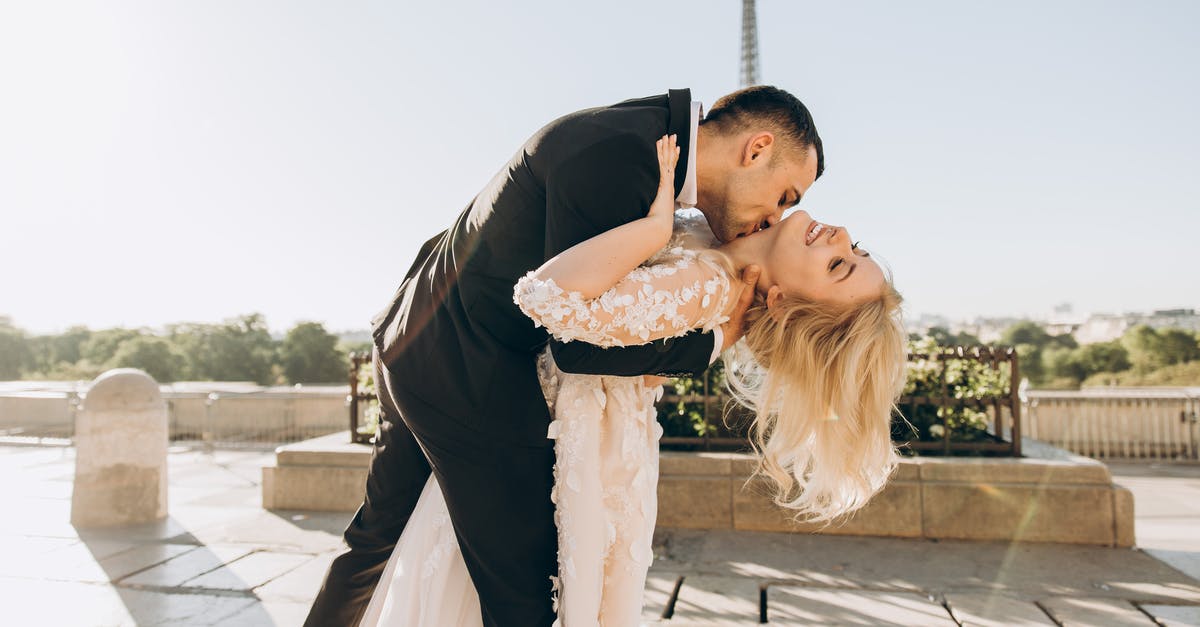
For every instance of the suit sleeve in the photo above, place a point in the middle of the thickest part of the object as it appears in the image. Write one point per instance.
(597, 189)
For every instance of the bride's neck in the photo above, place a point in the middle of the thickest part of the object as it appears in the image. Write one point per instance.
(744, 251)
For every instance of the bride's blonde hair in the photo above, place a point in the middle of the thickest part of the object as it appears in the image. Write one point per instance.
(822, 381)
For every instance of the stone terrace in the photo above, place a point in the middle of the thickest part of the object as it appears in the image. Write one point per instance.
(220, 559)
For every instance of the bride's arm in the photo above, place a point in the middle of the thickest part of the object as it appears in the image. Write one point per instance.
(594, 265)
(649, 303)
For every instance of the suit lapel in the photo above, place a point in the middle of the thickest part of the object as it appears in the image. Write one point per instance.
(680, 101)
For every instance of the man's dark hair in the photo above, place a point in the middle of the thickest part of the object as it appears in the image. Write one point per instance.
(773, 106)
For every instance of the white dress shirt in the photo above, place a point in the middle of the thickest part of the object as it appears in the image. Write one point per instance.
(687, 200)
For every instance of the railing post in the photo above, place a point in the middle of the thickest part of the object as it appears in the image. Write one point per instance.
(206, 436)
(1015, 400)
(353, 398)
(1192, 418)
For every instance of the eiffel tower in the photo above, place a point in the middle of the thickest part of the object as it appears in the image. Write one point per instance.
(749, 45)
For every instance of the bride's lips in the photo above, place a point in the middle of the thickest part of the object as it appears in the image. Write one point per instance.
(815, 230)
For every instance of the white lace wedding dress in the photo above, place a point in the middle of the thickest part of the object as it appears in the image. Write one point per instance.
(606, 448)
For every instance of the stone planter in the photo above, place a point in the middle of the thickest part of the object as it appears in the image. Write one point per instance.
(1050, 497)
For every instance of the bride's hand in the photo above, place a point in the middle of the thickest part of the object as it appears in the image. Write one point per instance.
(664, 202)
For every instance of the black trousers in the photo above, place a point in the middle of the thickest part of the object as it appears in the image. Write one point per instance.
(498, 496)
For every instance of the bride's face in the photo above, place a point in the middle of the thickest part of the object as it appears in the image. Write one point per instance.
(817, 261)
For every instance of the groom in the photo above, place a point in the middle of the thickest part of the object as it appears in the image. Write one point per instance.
(455, 357)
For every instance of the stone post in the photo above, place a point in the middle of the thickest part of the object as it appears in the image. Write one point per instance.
(120, 452)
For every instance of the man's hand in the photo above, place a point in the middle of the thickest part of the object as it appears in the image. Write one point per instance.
(734, 328)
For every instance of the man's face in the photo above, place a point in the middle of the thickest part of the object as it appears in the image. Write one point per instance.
(756, 192)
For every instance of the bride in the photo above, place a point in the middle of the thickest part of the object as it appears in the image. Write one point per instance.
(821, 364)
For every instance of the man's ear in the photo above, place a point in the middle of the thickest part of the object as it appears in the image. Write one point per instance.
(757, 147)
(774, 295)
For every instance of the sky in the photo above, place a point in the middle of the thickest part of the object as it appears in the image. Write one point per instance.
(169, 161)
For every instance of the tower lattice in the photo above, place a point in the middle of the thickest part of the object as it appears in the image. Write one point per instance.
(749, 44)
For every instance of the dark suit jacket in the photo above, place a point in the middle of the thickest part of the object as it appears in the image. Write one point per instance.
(452, 335)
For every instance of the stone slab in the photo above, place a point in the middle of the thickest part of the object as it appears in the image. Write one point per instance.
(299, 584)
(177, 570)
(715, 600)
(1085, 611)
(659, 586)
(1186, 562)
(695, 502)
(895, 511)
(269, 613)
(793, 605)
(1123, 517)
(681, 463)
(1078, 514)
(743, 464)
(141, 558)
(334, 449)
(69, 603)
(1014, 470)
(981, 609)
(317, 488)
(249, 572)
(1174, 615)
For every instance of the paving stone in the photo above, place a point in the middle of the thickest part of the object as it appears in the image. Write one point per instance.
(795, 605)
(300, 584)
(1186, 562)
(283, 613)
(40, 602)
(188, 565)
(1107, 612)
(659, 586)
(143, 556)
(980, 609)
(65, 603)
(713, 600)
(248, 572)
(298, 532)
(181, 610)
(1175, 615)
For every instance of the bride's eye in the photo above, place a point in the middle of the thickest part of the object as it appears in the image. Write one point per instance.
(836, 263)
(855, 247)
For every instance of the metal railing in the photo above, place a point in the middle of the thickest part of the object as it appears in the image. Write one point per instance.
(1157, 423)
(216, 415)
(724, 425)
(363, 404)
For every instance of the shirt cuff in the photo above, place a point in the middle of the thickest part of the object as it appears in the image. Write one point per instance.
(718, 342)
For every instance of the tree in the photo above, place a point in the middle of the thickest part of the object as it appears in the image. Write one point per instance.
(14, 352)
(1145, 348)
(1178, 346)
(101, 346)
(1103, 357)
(310, 355)
(1025, 332)
(153, 354)
(1061, 365)
(944, 337)
(239, 349)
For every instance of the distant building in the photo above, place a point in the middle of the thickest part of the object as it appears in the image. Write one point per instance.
(988, 330)
(1108, 327)
(1098, 327)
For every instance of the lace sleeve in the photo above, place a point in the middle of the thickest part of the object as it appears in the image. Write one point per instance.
(665, 299)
